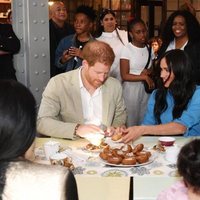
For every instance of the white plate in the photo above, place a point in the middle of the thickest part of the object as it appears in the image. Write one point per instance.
(151, 159)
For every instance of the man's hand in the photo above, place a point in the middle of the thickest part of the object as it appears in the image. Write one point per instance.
(111, 130)
(85, 129)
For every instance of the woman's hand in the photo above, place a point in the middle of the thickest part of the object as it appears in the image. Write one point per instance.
(76, 52)
(65, 56)
(150, 82)
(132, 133)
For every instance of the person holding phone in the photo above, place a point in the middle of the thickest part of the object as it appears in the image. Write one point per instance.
(69, 51)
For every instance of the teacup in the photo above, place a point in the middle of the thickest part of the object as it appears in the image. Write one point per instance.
(171, 154)
(51, 148)
(61, 159)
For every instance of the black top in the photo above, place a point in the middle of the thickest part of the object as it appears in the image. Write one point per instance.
(193, 51)
(56, 34)
(8, 43)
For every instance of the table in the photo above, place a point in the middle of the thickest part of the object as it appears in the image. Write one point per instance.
(109, 183)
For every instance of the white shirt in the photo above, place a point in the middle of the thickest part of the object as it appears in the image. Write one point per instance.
(173, 46)
(113, 40)
(91, 104)
(137, 57)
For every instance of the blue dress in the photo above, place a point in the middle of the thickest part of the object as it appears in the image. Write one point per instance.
(190, 117)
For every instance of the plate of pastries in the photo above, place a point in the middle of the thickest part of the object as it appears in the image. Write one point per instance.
(126, 155)
(96, 149)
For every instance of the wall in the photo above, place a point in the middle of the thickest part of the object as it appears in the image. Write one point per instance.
(30, 22)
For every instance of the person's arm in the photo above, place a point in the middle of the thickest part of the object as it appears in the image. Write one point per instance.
(57, 116)
(62, 52)
(171, 128)
(120, 115)
(125, 62)
(189, 118)
(49, 122)
(125, 74)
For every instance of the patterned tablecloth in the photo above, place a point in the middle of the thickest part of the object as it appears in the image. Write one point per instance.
(88, 163)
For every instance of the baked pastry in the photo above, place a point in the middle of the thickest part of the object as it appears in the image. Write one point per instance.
(142, 158)
(159, 147)
(129, 161)
(114, 160)
(103, 155)
(92, 147)
(103, 144)
(126, 155)
(126, 148)
(116, 137)
(141, 153)
(138, 148)
(118, 153)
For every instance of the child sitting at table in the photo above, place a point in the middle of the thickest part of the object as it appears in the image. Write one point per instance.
(189, 168)
(20, 178)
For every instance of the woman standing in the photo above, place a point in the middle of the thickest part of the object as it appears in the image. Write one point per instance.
(108, 32)
(134, 58)
(68, 54)
(182, 31)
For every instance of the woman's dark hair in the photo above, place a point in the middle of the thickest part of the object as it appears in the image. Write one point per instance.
(181, 88)
(17, 120)
(100, 28)
(131, 23)
(103, 13)
(106, 11)
(192, 25)
(88, 11)
(189, 164)
(17, 124)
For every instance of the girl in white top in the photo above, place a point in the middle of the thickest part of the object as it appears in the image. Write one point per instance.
(109, 33)
(134, 57)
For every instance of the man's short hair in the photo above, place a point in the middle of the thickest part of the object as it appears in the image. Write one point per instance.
(98, 51)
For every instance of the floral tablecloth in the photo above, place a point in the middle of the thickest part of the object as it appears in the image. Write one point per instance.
(89, 164)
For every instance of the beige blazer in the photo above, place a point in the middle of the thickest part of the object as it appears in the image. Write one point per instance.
(61, 107)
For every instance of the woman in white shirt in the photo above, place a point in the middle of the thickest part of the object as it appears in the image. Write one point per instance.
(108, 32)
(134, 58)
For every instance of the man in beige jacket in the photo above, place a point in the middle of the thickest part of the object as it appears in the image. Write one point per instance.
(83, 100)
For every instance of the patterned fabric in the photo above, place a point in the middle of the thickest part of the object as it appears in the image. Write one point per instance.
(177, 191)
